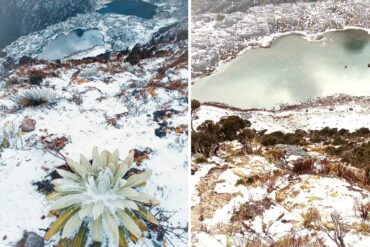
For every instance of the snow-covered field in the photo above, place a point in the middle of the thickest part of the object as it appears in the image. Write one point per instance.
(111, 105)
(275, 198)
(340, 111)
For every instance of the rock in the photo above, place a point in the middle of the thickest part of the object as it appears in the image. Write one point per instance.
(25, 60)
(8, 63)
(3, 54)
(31, 239)
(28, 124)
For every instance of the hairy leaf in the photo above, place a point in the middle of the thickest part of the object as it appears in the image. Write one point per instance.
(81, 237)
(112, 225)
(129, 223)
(147, 215)
(122, 239)
(59, 223)
(72, 225)
(68, 200)
(137, 179)
(97, 230)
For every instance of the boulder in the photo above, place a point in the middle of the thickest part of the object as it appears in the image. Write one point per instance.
(28, 124)
(31, 239)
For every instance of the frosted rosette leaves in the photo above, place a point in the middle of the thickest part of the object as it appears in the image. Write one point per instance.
(97, 200)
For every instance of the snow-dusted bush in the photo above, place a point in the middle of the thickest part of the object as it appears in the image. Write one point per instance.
(99, 199)
(9, 136)
(36, 96)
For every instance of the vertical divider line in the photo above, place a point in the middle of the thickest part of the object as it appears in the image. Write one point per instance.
(189, 126)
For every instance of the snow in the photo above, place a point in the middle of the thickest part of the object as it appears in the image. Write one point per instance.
(85, 126)
(205, 240)
(216, 40)
(291, 196)
(224, 31)
(351, 116)
(21, 205)
(119, 32)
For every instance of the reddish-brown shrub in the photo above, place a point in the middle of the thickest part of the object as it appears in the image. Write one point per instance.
(304, 166)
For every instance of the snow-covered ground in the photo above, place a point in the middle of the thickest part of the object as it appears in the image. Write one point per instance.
(338, 111)
(278, 197)
(111, 105)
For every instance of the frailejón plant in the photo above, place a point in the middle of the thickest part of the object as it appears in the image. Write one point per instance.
(36, 96)
(99, 200)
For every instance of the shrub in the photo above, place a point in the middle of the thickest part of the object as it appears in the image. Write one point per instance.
(100, 199)
(363, 210)
(240, 181)
(276, 154)
(339, 141)
(10, 137)
(25, 60)
(359, 155)
(312, 216)
(204, 143)
(200, 159)
(36, 79)
(250, 210)
(195, 104)
(279, 137)
(293, 240)
(304, 166)
(246, 137)
(362, 131)
(229, 126)
(209, 127)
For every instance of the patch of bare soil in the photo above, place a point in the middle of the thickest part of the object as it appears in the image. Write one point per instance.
(210, 201)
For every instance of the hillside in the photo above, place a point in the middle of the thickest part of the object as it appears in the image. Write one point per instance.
(294, 176)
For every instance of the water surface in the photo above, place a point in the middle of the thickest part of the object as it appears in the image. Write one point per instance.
(66, 45)
(292, 70)
(130, 7)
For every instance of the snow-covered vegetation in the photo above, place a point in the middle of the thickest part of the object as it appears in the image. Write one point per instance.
(295, 176)
(132, 100)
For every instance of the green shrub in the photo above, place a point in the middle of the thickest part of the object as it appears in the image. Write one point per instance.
(240, 181)
(35, 79)
(229, 126)
(200, 159)
(195, 104)
(279, 137)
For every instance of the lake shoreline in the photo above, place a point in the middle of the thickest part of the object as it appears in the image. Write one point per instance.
(266, 41)
(326, 101)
